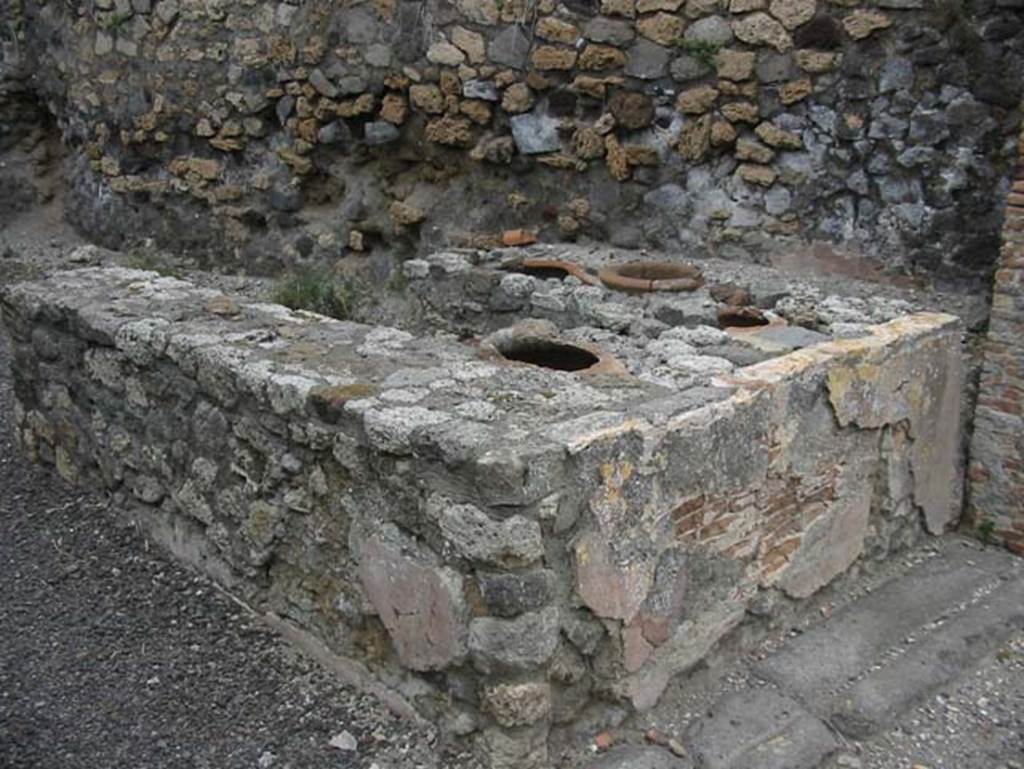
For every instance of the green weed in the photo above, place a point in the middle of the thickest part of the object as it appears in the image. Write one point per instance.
(115, 21)
(318, 290)
(702, 50)
(985, 531)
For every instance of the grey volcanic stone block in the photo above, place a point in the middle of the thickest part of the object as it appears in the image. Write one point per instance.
(507, 595)
(535, 134)
(521, 644)
(603, 29)
(380, 132)
(514, 541)
(510, 47)
(762, 729)
(822, 661)
(639, 757)
(899, 683)
(647, 60)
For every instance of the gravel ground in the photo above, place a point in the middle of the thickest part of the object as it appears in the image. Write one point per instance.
(112, 656)
(976, 724)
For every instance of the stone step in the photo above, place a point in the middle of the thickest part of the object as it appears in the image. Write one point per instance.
(762, 728)
(820, 664)
(903, 681)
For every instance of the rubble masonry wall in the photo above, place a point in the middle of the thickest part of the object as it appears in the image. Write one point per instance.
(261, 133)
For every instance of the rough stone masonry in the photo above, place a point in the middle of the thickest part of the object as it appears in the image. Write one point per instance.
(258, 132)
(512, 548)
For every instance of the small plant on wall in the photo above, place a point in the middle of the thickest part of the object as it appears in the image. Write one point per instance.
(986, 529)
(703, 51)
(318, 290)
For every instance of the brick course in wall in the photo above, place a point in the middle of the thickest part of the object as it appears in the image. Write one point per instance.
(996, 503)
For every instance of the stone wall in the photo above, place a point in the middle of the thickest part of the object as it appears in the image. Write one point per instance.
(513, 548)
(27, 143)
(260, 132)
(996, 502)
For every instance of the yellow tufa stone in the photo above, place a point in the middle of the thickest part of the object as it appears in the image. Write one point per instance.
(394, 108)
(450, 131)
(598, 57)
(404, 214)
(663, 28)
(757, 174)
(557, 31)
(697, 101)
(735, 65)
(816, 62)
(861, 24)
(722, 133)
(774, 136)
(795, 90)
(625, 8)
(552, 57)
(740, 112)
(615, 157)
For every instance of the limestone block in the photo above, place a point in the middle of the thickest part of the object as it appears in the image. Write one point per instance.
(927, 392)
(535, 134)
(445, 53)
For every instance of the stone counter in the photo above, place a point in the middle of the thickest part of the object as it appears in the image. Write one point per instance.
(533, 545)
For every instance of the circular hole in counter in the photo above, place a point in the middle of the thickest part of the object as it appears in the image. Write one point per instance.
(548, 353)
(545, 271)
(741, 317)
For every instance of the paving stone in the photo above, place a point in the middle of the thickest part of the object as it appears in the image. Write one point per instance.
(894, 688)
(821, 661)
(762, 729)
